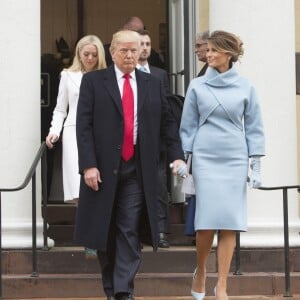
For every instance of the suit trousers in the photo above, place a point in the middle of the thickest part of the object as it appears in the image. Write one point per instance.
(121, 261)
(163, 199)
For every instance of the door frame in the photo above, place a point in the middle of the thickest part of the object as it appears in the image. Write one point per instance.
(183, 16)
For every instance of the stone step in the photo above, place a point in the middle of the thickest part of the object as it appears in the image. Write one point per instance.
(62, 234)
(61, 218)
(146, 284)
(65, 272)
(252, 297)
(64, 213)
(176, 259)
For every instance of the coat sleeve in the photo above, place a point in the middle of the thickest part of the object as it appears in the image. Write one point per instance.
(84, 126)
(61, 109)
(253, 124)
(169, 131)
(189, 120)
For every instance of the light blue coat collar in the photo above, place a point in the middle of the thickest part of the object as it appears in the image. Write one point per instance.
(213, 78)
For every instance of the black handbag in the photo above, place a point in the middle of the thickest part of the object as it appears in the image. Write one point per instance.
(189, 228)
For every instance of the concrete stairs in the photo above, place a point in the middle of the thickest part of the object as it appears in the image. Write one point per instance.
(64, 272)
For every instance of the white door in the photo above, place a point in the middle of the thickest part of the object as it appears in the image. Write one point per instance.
(183, 16)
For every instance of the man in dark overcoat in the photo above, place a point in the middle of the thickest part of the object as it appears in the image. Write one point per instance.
(116, 192)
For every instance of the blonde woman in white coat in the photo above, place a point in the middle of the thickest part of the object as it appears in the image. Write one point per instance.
(89, 55)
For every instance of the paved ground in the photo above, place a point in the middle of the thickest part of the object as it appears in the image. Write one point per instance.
(295, 297)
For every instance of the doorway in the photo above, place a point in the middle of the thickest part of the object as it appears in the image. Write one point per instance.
(63, 22)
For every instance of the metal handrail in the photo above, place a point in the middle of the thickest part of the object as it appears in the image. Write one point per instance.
(284, 189)
(31, 175)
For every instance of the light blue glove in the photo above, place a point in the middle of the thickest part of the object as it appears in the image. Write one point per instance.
(182, 170)
(255, 178)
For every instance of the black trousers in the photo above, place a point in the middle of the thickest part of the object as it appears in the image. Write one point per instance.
(121, 261)
(163, 199)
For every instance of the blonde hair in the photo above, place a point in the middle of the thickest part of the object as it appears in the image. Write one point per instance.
(227, 42)
(124, 36)
(88, 40)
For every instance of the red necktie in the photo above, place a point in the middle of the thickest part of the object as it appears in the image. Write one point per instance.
(128, 112)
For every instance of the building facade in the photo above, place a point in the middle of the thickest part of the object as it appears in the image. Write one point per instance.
(270, 31)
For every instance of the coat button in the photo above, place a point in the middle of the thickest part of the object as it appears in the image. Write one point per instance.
(119, 147)
(115, 172)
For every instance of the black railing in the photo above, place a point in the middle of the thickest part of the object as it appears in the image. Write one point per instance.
(287, 292)
(31, 175)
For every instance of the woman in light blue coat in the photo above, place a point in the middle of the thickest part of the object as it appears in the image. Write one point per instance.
(221, 126)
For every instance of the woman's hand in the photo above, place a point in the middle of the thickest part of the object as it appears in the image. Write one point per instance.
(51, 139)
(255, 178)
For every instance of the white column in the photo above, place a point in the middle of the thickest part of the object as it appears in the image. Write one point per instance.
(19, 117)
(269, 62)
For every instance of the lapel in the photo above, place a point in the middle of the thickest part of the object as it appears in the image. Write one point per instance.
(111, 84)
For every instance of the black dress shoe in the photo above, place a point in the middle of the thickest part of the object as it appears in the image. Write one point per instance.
(124, 296)
(163, 242)
(111, 298)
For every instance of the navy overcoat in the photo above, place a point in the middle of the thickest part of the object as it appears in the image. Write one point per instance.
(99, 138)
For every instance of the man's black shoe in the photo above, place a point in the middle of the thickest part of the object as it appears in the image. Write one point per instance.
(163, 242)
(124, 296)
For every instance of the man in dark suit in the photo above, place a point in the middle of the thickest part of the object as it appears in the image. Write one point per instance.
(119, 166)
(163, 199)
(136, 24)
(200, 50)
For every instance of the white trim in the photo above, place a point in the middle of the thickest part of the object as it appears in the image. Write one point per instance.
(18, 235)
(176, 33)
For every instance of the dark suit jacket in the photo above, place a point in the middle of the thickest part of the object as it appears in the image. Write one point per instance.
(99, 138)
(203, 70)
(162, 75)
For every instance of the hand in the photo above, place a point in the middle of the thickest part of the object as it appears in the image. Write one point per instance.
(92, 178)
(179, 168)
(51, 139)
(255, 178)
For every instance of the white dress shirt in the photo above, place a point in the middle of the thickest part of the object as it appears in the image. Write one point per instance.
(144, 68)
(120, 80)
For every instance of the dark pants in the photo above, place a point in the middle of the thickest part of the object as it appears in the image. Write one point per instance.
(163, 199)
(121, 261)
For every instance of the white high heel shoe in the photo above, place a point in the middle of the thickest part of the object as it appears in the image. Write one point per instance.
(196, 295)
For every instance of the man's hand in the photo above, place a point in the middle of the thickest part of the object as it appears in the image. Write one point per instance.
(92, 178)
(179, 168)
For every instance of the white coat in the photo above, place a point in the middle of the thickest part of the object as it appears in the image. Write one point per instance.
(64, 117)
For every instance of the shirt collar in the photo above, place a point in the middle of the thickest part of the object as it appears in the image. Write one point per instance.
(120, 74)
(145, 66)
